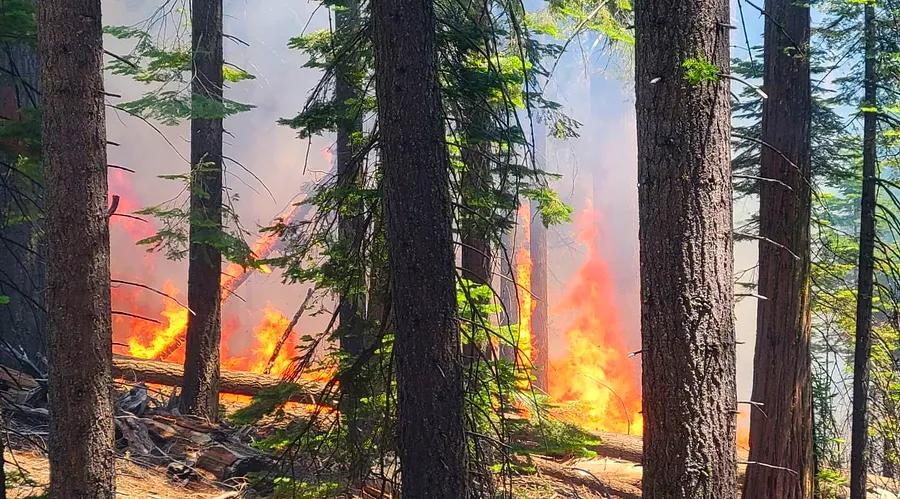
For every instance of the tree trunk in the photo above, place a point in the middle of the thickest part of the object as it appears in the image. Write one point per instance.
(70, 45)
(351, 230)
(200, 395)
(508, 297)
(685, 210)
(781, 432)
(540, 332)
(420, 250)
(860, 425)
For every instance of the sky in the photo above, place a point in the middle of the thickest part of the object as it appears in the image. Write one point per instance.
(599, 168)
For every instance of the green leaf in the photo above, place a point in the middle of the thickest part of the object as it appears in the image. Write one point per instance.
(697, 71)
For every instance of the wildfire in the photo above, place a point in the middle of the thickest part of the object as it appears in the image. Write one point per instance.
(268, 335)
(174, 318)
(596, 376)
(142, 338)
(526, 303)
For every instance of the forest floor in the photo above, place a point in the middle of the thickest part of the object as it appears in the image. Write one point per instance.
(29, 471)
(29, 474)
(597, 478)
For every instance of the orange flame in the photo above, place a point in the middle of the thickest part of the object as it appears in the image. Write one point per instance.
(596, 375)
(526, 303)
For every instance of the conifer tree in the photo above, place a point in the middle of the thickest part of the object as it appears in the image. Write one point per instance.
(781, 428)
(200, 394)
(77, 228)
(685, 229)
(432, 446)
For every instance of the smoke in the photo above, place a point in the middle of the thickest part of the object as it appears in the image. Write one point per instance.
(598, 169)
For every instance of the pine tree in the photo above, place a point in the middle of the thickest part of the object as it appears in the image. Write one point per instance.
(200, 395)
(685, 210)
(860, 429)
(77, 228)
(781, 428)
(432, 446)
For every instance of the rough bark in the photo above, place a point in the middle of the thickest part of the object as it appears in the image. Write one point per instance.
(201, 363)
(859, 432)
(540, 316)
(419, 239)
(234, 382)
(685, 210)
(70, 45)
(781, 432)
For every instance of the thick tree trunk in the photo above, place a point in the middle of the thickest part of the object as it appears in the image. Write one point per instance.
(860, 425)
(80, 330)
(350, 224)
(201, 363)
(781, 432)
(420, 249)
(685, 210)
(540, 328)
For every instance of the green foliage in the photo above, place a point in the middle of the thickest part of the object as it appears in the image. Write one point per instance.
(18, 22)
(553, 210)
(167, 69)
(267, 402)
(287, 488)
(698, 70)
(830, 483)
(4, 300)
(570, 18)
(176, 220)
(171, 107)
(550, 437)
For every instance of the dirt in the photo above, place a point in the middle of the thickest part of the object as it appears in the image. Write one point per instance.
(132, 480)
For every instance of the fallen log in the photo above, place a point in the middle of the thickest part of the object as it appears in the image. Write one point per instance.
(631, 447)
(233, 382)
(620, 446)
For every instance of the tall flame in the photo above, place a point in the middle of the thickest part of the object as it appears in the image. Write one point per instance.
(596, 375)
(526, 303)
(142, 338)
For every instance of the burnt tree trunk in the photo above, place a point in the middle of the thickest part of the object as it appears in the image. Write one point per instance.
(781, 432)
(540, 332)
(200, 395)
(685, 210)
(70, 45)
(859, 458)
(420, 250)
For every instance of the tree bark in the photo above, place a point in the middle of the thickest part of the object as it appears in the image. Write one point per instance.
(685, 210)
(201, 363)
(859, 432)
(420, 250)
(540, 328)
(781, 432)
(70, 45)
